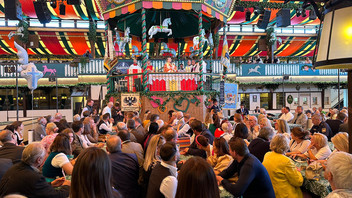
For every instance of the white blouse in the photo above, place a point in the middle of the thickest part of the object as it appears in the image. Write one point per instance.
(301, 147)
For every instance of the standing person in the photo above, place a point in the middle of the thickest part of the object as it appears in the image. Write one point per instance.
(197, 179)
(117, 115)
(24, 178)
(242, 110)
(215, 106)
(189, 66)
(253, 179)
(163, 179)
(169, 66)
(339, 173)
(91, 176)
(39, 130)
(107, 109)
(300, 118)
(135, 64)
(285, 178)
(10, 150)
(125, 168)
(88, 107)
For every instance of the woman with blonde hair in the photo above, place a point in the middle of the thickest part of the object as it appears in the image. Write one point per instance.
(284, 176)
(281, 126)
(340, 141)
(151, 159)
(265, 122)
(318, 148)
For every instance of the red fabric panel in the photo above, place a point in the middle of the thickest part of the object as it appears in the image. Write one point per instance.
(52, 43)
(78, 42)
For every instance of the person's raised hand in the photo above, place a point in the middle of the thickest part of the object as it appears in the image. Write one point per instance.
(58, 182)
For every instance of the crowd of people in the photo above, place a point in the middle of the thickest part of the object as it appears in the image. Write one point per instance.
(122, 154)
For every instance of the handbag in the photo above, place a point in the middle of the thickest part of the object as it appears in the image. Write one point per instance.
(314, 170)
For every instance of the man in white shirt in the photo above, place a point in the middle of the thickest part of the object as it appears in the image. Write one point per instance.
(107, 109)
(135, 65)
(182, 130)
(286, 114)
(163, 179)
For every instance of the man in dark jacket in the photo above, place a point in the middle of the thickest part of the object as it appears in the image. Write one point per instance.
(242, 110)
(125, 168)
(198, 129)
(9, 150)
(253, 178)
(319, 126)
(25, 179)
(335, 124)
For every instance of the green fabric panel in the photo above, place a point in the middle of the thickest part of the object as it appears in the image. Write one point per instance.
(80, 12)
(196, 6)
(151, 49)
(64, 41)
(100, 43)
(167, 5)
(90, 9)
(127, 50)
(237, 42)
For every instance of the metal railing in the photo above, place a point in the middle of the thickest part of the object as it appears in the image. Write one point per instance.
(96, 67)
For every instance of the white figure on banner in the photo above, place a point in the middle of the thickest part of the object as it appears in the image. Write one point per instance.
(122, 41)
(163, 28)
(254, 70)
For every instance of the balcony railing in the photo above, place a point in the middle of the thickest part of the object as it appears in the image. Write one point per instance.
(96, 67)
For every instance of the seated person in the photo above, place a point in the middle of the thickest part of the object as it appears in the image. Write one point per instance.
(299, 143)
(58, 161)
(253, 180)
(25, 179)
(261, 145)
(318, 148)
(221, 158)
(339, 173)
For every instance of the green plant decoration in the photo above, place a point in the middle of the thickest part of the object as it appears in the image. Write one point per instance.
(92, 34)
(24, 25)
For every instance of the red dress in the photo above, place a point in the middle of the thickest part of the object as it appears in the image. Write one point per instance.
(218, 132)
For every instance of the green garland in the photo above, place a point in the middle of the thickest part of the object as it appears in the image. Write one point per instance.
(177, 96)
(92, 34)
(275, 85)
(270, 5)
(25, 37)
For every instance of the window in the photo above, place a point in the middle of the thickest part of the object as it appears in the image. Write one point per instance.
(67, 24)
(2, 21)
(245, 100)
(100, 25)
(35, 23)
(53, 23)
(298, 30)
(256, 29)
(247, 28)
(279, 101)
(12, 23)
(235, 28)
(315, 100)
(82, 24)
(265, 100)
(287, 30)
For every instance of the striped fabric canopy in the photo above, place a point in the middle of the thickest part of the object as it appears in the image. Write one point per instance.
(76, 43)
(72, 11)
(56, 43)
